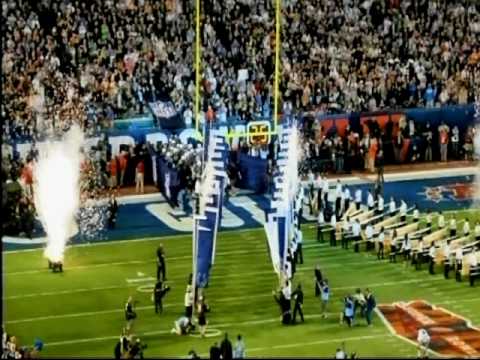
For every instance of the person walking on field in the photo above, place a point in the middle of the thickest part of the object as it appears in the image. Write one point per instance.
(140, 177)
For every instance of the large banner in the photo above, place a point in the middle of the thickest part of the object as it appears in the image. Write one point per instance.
(279, 225)
(207, 222)
(166, 115)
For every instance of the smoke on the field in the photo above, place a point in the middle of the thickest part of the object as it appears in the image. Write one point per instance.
(57, 190)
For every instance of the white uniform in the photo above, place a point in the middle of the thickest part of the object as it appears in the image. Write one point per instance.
(423, 338)
(403, 209)
(358, 196)
(466, 228)
(338, 191)
(432, 252)
(477, 231)
(370, 201)
(392, 206)
(320, 218)
(380, 203)
(356, 229)
(346, 195)
(416, 214)
(441, 221)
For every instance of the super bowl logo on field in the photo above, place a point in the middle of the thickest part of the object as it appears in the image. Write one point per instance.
(456, 191)
(451, 334)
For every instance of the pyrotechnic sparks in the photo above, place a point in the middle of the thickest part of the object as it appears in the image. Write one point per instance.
(57, 192)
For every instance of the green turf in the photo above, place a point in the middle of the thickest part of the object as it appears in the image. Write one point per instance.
(80, 312)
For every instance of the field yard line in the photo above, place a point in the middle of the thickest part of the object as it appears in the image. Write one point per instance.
(327, 341)
(94, 266)
(222, 300)
(213, 276)
(173, 236)
(161, 332)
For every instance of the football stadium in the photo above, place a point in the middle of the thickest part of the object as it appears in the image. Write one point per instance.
(240, 179)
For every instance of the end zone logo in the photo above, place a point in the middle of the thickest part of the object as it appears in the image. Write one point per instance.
(451, 335)
(456, 191)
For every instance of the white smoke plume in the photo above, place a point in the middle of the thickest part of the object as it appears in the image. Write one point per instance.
(57, 190)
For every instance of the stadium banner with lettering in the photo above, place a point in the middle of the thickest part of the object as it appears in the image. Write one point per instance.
(208, 221)
(166, 115)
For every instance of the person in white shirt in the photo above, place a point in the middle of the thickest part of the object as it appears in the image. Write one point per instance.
(358, 198)
(369, 236)
(406, 248)
(338, 198)
(356, 229)
(320, 225)
(474, 270)
(347, 197)
(423, 339)
(380, 204)
(403, 211)
(446, 262)
(319, 186)
(325, 190)
(333, 224)
(428, 220)
(453, 227)
(458, 264)
(299, 242)
(441, 220)
(370, 201)
(432, 252)
(287, 290)
(188, 300)
(416, 214)
(477, 231)
(381, 244)
(346, 231)
(288, 270)
(391, 206)
(466, 228)
(182, 326)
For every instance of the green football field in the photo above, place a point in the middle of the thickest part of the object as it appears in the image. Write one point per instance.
(80, 312)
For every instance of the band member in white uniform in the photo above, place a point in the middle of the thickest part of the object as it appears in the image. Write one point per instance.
(458, 264)
(446, 263)
(380, 205)
(477, 231)
(416, 214)
(403, 211)
(466, 228)
(432, 252)
(320, 225)
(391, 206)
(347, 198)
(453, 227)
(441, 220)
(358, 198)
(370, 201)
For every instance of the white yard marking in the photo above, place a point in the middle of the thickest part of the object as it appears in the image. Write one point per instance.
(222, 300)
(225, 325)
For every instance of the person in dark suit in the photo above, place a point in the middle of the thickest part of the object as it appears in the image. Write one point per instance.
(298, 296)
(215, 352)
(226, 349)
(158, 293)
(318, 280)
(161, 266)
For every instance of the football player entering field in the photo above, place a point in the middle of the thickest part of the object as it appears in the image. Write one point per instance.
(423, 339)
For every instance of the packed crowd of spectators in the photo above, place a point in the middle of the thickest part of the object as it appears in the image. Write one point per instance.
(71, 61)
(90, 63)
